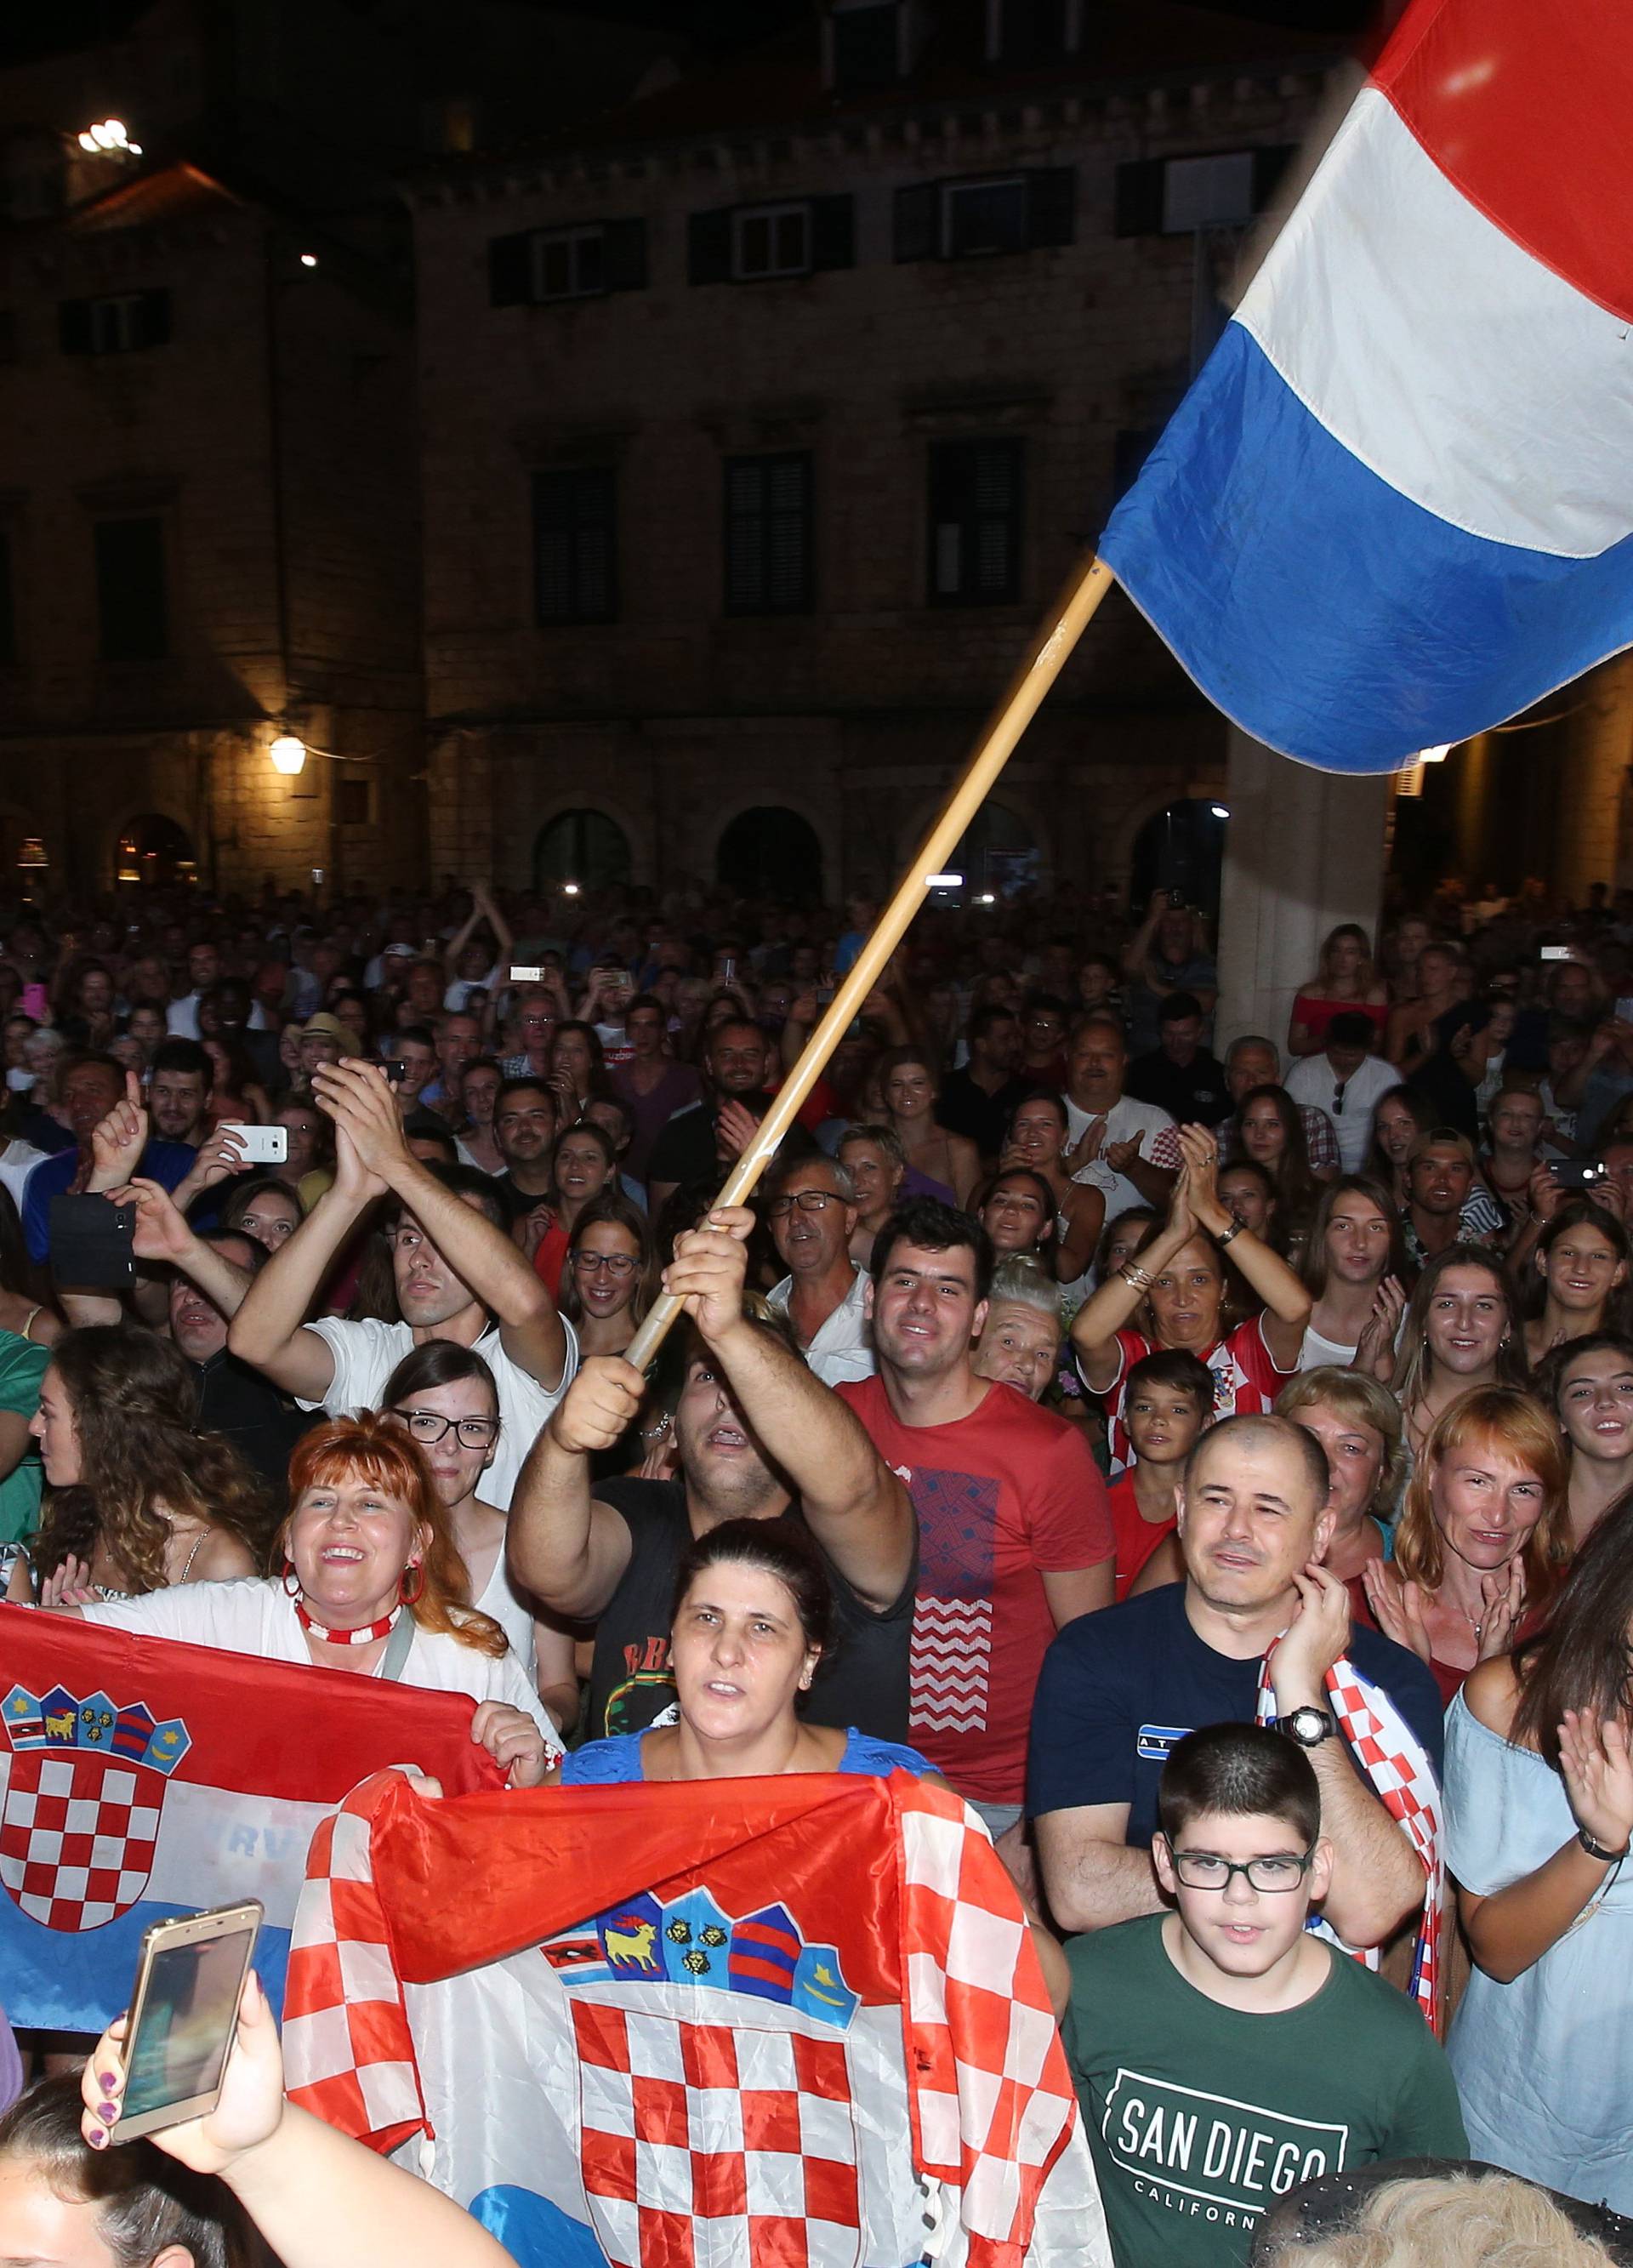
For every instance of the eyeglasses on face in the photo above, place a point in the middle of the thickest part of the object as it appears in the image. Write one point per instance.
(807, 1200)
(428, 1427)
(1206, 1870)
(615, 1263)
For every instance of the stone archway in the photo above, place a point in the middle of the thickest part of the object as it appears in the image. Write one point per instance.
(770, 852)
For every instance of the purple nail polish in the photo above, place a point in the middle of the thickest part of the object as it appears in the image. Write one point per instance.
(97, 2139)
(107, 2081)
(108, 2111)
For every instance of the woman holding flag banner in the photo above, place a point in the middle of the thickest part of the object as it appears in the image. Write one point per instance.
(372, 1584)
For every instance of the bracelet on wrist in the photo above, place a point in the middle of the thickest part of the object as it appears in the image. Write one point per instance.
(1224, 1236)
(1598, 1851)
(1138, 1279)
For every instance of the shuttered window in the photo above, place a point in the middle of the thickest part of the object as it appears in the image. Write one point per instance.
(767, 534)
(972, 218)
(575, 544)
(535, 267)
(976, 492)
(124, 322)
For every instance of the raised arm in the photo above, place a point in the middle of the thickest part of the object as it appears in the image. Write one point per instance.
(855, 1505)
(1138, 947)
(1112, 1305)
(269, 1329)
(359, 1099)
(162, 1236)
(1287, 1303)
(566, 1548)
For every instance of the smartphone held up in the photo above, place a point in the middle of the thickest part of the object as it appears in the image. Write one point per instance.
(184, 2008)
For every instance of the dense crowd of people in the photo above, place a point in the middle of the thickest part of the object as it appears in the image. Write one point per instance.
(1214, 1466)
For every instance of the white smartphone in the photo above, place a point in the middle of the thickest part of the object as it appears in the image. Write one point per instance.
(259, 1145)
(1554, 952)
(184, 2012)
(526, 976)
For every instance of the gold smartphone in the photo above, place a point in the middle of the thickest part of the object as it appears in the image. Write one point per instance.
(184, 2011)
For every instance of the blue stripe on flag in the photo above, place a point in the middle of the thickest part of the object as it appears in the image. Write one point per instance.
(60, 1981)
(1323, 611)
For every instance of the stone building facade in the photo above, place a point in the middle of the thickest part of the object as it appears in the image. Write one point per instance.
(208, 530)
(760, 424)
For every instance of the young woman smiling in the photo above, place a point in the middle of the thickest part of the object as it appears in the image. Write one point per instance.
(1462, 1329)
(1589, 1386)
(949, 1162)
(1354, 1268)
(1582, 1261)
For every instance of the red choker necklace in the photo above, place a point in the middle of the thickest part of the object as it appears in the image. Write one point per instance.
(364, 1634)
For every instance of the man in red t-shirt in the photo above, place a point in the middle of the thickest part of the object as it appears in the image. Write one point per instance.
(1015, 1538)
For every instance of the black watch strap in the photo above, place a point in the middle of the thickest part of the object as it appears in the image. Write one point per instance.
(1598, 1851)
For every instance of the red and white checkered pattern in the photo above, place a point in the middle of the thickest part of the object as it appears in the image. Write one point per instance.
(691, 2127)
(78, 1833)
(1391, 1756)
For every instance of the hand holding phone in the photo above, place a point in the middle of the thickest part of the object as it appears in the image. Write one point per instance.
(184, 2014)
(258, 1145)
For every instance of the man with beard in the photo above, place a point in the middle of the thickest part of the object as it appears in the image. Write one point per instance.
(458, 1277)
(759, 1437)
(1118, 1694)
(701, 1143)
(1015, 1536)
(524, 1127)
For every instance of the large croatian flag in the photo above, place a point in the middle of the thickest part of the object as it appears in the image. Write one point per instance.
(1395, 506)
(141, 1778)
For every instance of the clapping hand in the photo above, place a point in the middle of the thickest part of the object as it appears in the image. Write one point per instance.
(1503, 1593)
(69, 1585)
(1375, 1351)
(1597, 1773)
(1397, 1609)
(735, 1128)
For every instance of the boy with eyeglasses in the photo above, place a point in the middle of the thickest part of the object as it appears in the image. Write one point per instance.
(1222, 2054)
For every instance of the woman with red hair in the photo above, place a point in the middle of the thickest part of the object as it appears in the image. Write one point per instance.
(371, 1582)
(1483, 1544)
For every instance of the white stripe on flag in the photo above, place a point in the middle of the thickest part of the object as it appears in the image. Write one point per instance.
(215, 1846)
(1462, 371)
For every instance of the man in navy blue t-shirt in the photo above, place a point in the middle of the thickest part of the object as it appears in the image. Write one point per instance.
(1120, 1689)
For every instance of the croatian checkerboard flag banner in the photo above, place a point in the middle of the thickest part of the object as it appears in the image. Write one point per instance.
(796, 2021)
(1396, 505)
(142, 1778)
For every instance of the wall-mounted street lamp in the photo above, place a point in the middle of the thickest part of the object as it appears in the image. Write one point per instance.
(288, 755)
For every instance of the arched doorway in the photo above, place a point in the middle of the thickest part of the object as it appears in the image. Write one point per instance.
(154, 851)
(581, 846)
(998, 855)
(770, 852)
(1182, 849)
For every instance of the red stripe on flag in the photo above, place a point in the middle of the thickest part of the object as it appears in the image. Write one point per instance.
(1527, 107)
(263, 1727)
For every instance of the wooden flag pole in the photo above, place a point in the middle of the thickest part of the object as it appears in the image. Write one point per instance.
(1045, 659)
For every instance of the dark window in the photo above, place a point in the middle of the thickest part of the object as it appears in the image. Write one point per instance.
(536, 266)
(1032, 31)
(575, 545)
(975, 495)
(130, 590)
(969, 219)
(1174, 196)
(124, 322)
(866, 51)
(767, 534)
(351, 803)
(754, 244)
(8, 609)
(8, 334)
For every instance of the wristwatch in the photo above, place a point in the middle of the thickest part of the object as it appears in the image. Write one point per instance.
(1308, 1725)
(1598, 1851)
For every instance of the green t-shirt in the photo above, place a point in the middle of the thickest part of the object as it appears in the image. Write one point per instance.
(1200, 2117)
(22, 1366)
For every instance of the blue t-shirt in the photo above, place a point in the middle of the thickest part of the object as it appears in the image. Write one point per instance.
(617, 1759)
(167, 1163)
(1120, 1689)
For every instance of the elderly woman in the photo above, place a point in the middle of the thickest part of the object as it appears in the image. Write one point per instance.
(372, 1584)
(1358, 1422)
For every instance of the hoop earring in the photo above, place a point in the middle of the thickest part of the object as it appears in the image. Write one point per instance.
(411, 1598)
(292, 1581)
